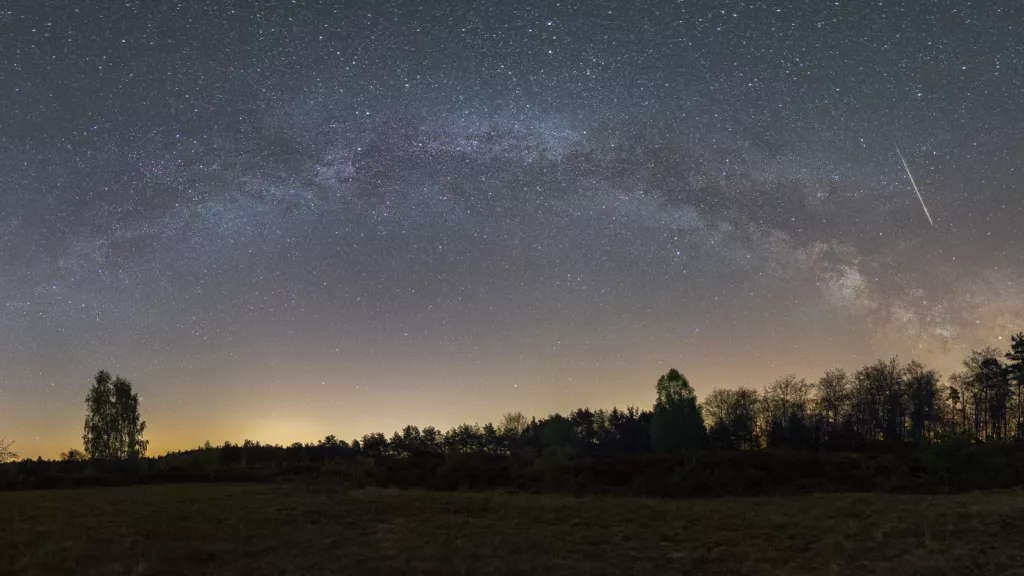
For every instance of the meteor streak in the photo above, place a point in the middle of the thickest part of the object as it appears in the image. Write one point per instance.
(912, 183)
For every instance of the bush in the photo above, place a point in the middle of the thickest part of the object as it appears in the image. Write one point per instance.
(957, 464)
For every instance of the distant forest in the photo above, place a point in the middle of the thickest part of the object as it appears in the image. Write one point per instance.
(887, 426)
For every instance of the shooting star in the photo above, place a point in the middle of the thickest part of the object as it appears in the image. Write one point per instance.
(912, 183)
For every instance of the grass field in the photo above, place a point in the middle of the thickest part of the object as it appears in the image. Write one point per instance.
(260, 529)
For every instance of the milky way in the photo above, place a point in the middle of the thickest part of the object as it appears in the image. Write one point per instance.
(283, 220)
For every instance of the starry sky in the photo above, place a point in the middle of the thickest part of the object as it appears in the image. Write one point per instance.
(288, 219)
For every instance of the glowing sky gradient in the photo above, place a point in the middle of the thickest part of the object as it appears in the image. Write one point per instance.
(283, 220)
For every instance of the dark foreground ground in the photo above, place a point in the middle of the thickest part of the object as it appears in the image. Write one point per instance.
(249, 529)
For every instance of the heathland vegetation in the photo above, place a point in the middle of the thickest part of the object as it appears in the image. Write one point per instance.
(889, 426)
(302, 528)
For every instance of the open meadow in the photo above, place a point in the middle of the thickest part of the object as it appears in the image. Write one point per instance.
(306, 529)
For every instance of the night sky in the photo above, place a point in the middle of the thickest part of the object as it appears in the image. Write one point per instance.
(288, 219)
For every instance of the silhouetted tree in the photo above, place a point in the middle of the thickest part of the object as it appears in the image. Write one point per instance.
(956, 404)
(331, 441)
(395, 445)
(412, 439)
(431, 438)
(511, 427)
(677, 424)
(997, 395)
(631, 428)
(833, 398)
(113, 425)
(490, 442)
(1015, 374)
(607, 438)
(784, 411)
(922, 397)
(73, 455)
(512, 423)
(877, 398)
(6, 453)
(407, 442)
(464, 438)
(557, 434)
(731, 416)
(585, 428)
(972, 393)
(611, 438)
(672, 386)
(375, 444)
(986, 378)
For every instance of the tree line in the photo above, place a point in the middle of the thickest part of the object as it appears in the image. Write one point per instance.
(888, 403)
